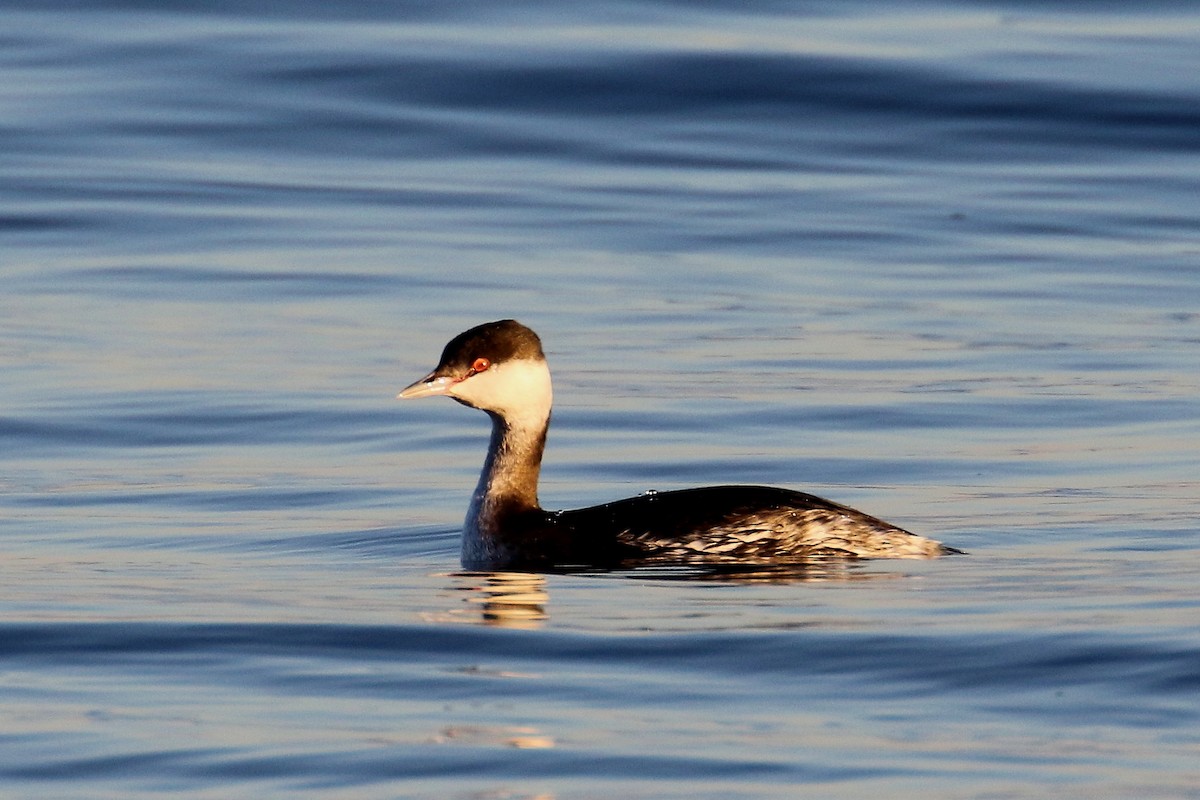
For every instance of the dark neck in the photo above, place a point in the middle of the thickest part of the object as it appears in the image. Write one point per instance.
(508, 484)
(514, 462)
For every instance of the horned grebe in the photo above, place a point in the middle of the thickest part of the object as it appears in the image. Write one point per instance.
(499, 367)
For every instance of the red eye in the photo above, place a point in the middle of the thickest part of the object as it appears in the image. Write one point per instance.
(480, 365)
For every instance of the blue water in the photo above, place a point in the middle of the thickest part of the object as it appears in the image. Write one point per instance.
(940, 261)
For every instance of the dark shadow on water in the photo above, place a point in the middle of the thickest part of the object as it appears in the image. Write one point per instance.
(520, 599)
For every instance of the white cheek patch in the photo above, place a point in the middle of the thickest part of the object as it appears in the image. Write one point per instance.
(520, 391)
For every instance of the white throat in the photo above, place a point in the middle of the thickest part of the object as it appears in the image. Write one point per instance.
(518, 396)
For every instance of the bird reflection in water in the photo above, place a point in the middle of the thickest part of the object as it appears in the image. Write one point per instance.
(505, 599)
(518, 737)
(519, 599)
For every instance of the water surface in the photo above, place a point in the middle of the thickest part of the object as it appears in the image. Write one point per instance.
(935, 260)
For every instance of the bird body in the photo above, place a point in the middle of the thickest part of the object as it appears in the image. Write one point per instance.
(500, 368)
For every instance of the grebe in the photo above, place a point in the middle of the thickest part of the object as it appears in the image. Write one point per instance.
(499, 367)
